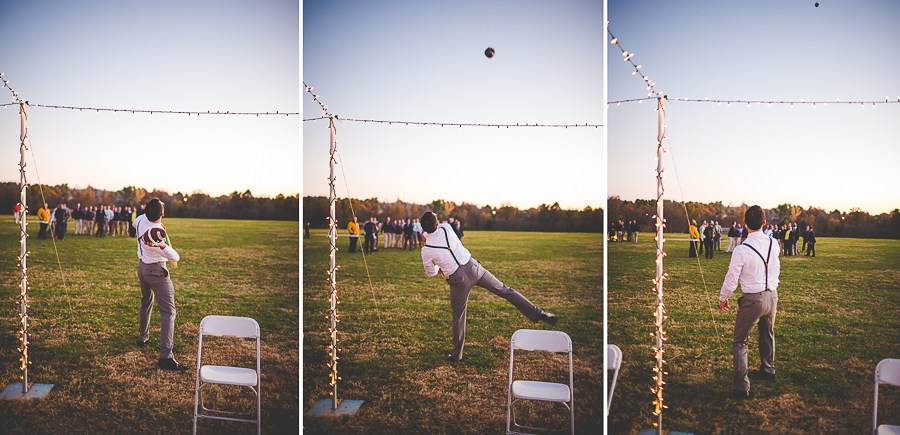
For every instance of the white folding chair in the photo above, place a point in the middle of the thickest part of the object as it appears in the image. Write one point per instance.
(219, 326)
(886, 372)
(613, 362)
(532, 340)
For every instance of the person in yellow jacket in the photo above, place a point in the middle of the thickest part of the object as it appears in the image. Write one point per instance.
(44, 219)
(353, 228)
(694, 238)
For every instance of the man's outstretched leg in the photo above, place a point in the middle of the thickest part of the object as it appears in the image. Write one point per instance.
(488, 281)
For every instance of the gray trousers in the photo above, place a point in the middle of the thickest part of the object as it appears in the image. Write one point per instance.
(155, 284)
(754, 308)
(461, 283)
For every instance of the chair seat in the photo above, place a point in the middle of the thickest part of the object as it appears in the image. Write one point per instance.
(534, 390)
(887, 429)
(228, 375)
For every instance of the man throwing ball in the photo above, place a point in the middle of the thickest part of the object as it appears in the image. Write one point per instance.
(155, 283)
(444, 255)
(756, 266)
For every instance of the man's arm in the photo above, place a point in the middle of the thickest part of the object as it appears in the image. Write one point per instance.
(169, 252)
(430, 268)
(731, 279)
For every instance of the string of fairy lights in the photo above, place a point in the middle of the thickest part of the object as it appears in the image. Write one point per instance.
(6, 85)
(660, 310)
(628, 56)
(16, 101)
(768, 103)
(327, 115)
(332, 256)
(170, 112)
(23, 252)
(457, 124)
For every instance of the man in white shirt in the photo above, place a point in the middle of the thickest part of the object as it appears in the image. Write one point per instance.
(756, 265)
(702, 237)
(417, 233)
(153, 276)
(444, 255)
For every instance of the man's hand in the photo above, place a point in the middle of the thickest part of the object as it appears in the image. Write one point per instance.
(160, 245)
(723, 306)
(441, 274)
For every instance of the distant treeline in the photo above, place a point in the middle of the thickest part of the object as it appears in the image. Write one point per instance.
(195, 205)
(550, 218)
(855, 223)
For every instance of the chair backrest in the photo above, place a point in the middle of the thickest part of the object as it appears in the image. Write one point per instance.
(243, 327)
(613, 357)
(613, 362)
(536, 339)
(886, 372)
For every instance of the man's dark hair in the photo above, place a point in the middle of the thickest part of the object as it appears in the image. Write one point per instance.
(429, 222)
(154, 209)
(754, 217)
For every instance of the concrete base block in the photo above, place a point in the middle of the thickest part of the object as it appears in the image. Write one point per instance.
(323, 407)
(14, 391)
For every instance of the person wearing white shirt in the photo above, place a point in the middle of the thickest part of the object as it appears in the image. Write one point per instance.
(417, 232)
(444, 255)
(702, 237)
(755, 264)
(153, 276)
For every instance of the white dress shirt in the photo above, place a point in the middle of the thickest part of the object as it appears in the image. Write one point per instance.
(441, 256)
(151, 254)
(747, 267)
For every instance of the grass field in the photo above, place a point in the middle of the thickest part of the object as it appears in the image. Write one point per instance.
(83, 327)
(395, 332)
(838, 316)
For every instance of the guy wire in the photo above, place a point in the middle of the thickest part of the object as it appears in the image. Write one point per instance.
(699, 266)
(366, 263)
(52, 236)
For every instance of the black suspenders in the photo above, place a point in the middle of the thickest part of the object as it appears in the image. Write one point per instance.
(446, 247)
(765, 261)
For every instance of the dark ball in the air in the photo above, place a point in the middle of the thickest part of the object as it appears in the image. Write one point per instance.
(489, 52)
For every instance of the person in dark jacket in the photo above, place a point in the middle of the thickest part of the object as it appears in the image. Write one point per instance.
(811, 240)
(407, 235)
(709, 240)
(370, 228)
(62, 219)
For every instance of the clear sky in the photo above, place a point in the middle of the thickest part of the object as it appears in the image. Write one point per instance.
(424, 62)
(833, 157)
(163, 55)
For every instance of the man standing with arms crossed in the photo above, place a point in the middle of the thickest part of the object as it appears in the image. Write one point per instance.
(153, 276)
(756, 264)
(444, 255)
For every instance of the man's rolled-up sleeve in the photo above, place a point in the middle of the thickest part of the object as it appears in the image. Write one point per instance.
(732, 277)
(430, 269)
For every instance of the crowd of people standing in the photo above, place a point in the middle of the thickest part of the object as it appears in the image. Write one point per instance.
(98, 221)
(621, 231)
(709, 234)
(403, 234)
